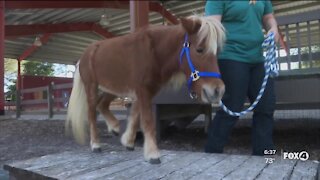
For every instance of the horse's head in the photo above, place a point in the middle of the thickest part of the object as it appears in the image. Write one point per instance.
(203, 37)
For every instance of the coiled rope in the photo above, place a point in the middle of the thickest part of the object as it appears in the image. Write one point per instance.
(271, 69)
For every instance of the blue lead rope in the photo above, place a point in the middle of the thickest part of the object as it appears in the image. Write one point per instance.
(271, 69)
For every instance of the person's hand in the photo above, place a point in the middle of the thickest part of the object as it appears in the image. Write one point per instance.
(276, 34)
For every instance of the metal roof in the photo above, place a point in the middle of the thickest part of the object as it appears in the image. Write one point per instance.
(67, 47)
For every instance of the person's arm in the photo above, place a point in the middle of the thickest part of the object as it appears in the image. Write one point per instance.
(214, 9)
(270, 25)
(269, 22)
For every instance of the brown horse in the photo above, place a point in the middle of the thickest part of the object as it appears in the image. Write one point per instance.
(138, 65)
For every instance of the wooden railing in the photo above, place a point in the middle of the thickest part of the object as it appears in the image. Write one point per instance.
(50, 101)
(302, 38)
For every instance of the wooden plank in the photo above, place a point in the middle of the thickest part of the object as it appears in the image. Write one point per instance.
(305, 170)
(175, 165)
(172, 166)
(223, 168)
(249, 169)
(76, 164)
(34, 101)
(299, 44)
(52, 158)
(18, 169)
(144, 166)
(280, 169)
(73, 158)
(309, 43)
(57, 100)
(298, 18)
(46, 162)
(80, 168)
(32, 90)
(123, 167)
(304, 57)
(289, 47)
(196, 167)
(62, 86)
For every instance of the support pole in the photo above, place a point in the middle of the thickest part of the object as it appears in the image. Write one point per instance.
(139, 14)
(2, 25)
(50, 100)
(19, 75)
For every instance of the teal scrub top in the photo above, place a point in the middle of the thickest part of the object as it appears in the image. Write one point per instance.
(243, 24)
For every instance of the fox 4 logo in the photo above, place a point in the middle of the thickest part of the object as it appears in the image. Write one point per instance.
(303, 155)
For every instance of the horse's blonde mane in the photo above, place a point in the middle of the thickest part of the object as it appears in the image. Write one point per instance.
(211, 32)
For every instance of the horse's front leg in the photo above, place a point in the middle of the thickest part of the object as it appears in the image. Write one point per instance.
(129, 136)
(151, 152)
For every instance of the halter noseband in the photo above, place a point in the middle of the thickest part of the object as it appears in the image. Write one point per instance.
(195, 74)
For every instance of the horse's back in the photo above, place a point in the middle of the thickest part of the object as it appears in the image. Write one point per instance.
(118, 60)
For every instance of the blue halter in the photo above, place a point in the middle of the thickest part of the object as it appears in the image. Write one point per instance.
(195, 74)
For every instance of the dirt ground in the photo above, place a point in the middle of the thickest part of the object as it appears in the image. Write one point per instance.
(24, 139)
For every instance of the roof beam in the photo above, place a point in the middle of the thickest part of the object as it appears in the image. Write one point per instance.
(157, 7)
(34, 29)
(123, 4)
(44, 39)
(99, 30)
(120, 4)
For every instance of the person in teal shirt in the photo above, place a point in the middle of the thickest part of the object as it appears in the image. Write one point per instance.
(241, 63)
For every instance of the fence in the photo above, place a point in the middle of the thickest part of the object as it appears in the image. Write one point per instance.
(51, 102)
(302, 37)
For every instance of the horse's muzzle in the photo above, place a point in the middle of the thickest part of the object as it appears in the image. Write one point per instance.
(212, 94)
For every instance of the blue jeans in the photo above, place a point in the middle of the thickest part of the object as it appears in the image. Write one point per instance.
(243, 80)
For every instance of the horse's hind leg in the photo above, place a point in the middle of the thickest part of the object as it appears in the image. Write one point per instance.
(129, 136)
(92, 117)
(151, 152)
(103, 107)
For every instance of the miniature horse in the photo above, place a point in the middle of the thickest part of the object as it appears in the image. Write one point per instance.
(138, 65)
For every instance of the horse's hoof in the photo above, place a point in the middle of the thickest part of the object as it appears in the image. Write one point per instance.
(115, 133)
(96, 150)
(155, 161)
(130, 148)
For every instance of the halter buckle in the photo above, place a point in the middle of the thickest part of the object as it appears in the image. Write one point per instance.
(186, 44)
(195, 75)
(193, 95)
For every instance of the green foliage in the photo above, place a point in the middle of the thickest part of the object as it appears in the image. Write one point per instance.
(28, 68)
(38, 68)
(10, 65)
(12, 88)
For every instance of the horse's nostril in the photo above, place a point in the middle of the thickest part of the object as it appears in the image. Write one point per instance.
(216, 92)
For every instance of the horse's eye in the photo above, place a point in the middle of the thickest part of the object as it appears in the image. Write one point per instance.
(200, 50)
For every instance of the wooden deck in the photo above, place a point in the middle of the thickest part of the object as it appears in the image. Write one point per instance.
(175, 165)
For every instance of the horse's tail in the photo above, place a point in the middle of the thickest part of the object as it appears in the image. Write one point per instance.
(78, 110)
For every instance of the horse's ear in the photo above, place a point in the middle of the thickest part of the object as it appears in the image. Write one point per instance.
(191, 25)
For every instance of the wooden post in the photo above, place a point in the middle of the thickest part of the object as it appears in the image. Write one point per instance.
(19, 75)
(139, 14)
(50, 100)
(2, 25)
(18, 103)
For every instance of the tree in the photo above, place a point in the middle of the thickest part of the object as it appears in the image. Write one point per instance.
(38, 68)
(10, 68)
(12, 88)
(29, 68)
